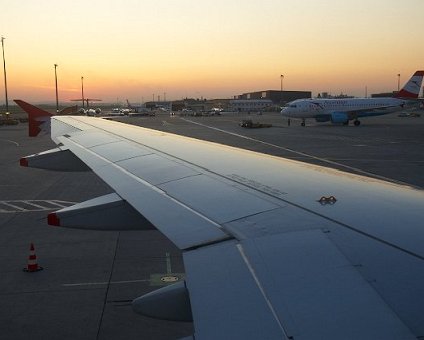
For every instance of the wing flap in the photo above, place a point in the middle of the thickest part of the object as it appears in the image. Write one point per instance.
(292, 285)
(307, 277)
(225, 300)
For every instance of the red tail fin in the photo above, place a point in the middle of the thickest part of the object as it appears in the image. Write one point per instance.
(36, 117)
(412, 87)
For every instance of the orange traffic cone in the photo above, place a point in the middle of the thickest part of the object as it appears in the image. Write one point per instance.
(32, 261)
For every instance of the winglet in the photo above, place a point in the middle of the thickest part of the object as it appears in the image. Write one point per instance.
(36, 117)
(412, 88)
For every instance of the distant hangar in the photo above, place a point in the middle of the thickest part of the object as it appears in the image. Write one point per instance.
(263, 100)
(277, 97)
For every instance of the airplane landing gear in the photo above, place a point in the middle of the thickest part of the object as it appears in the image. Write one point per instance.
(303, 122)
(356, 122)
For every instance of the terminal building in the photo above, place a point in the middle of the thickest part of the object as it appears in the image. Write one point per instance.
(384, 94)
(277, 97)
(269, 100)
(250, 105)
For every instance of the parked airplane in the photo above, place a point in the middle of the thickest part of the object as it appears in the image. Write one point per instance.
(343, 110)
(137, 109)
(142, 110)
(286, 251)
(115, 112)
(87, 111)
(90, 112)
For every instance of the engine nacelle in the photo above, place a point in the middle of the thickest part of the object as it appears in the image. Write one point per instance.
(339, 117)
(167, 303)
(322, 118)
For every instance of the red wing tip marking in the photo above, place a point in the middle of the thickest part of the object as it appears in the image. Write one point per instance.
(53, 219)
(23, 162)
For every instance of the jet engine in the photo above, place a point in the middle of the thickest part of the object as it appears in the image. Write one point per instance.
(339, 117)
(322, 118)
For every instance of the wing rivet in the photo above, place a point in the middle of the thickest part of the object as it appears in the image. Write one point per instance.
(327, 200)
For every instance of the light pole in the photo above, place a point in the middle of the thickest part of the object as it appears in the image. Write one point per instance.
(281, 86)
(82, 91)
(398, 82)
(57, 96)
(5, 78)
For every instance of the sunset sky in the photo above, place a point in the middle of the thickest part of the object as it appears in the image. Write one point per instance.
(185, 48)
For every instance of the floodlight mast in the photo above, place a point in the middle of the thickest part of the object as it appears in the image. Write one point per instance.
(57, 96)
(82, 91)
(5, 77)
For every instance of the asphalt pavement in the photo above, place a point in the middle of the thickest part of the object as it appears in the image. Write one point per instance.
(90, 277)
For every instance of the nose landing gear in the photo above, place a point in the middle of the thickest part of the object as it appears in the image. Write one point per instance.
(356, 122)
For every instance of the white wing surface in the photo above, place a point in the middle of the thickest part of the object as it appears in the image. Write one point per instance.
(273, 248)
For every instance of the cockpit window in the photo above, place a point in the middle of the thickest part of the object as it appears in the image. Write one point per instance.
(293, 106)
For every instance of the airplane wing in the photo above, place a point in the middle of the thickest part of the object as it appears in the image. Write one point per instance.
(357, 113)
(374, 111)
(272, 248)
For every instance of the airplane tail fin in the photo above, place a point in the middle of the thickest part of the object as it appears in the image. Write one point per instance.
(38, 119)
(412, 88)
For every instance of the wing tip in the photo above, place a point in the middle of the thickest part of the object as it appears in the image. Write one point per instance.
(53, 219)
(23, 162)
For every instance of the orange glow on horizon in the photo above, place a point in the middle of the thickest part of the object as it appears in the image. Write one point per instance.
(209, 49)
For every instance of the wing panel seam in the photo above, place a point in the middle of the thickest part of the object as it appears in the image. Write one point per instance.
(150, 186)
(261, 289)
(342, 224)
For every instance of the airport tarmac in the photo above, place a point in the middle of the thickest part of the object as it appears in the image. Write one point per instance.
(388, 147)
(90, 277)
